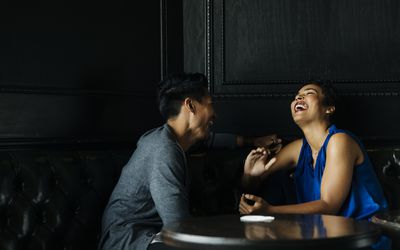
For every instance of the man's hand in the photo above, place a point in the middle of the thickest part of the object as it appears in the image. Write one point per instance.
(260, 206)
(257, 162)
(271, 142)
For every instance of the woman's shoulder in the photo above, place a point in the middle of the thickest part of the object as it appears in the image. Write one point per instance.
(333, 130)
(341, 139)
(343, 143)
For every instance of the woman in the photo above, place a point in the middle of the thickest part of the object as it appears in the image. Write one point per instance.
(333, 174)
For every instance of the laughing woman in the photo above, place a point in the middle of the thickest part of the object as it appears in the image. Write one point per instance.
(333, 174)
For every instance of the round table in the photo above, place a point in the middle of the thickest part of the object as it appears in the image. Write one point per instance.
(284, 232)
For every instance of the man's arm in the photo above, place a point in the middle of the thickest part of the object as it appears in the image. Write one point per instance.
(225, 140)
(231, 141)
(168, 186)
(273, 142)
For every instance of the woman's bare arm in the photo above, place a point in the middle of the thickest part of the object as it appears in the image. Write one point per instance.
(341, 156)
(258, 165)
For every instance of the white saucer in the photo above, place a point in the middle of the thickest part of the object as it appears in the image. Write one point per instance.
(256, 218)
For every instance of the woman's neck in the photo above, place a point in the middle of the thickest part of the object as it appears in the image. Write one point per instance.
(315, 135)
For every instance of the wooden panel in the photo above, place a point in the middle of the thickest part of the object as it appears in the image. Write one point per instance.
(76, 117)
(373, 118)
(194, 34)
(256, 53)
(263, 48)
(171, 37)
(91, 45)
(78, 70)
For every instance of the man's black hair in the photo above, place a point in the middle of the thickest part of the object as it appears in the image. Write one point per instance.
(174, 89)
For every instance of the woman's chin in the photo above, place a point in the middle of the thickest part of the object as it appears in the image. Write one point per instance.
(299, 121)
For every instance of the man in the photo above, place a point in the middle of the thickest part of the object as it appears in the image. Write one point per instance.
(153, 186)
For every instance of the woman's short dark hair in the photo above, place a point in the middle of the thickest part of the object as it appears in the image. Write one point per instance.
(174, 89)
(328, 90)
(330, 96)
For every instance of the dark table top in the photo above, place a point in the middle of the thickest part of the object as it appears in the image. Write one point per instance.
(284, 232)
(388, 219)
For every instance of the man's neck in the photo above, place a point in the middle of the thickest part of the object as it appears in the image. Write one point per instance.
(181, 132)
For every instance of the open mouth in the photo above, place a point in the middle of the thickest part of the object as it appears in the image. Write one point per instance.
(300, 106)
(210, 124)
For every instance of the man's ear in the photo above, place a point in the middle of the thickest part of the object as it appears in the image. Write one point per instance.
(331, 110)
(189, 105)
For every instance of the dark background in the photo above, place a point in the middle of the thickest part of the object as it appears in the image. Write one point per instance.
(78, 71)
(256, 53)
(87, 71)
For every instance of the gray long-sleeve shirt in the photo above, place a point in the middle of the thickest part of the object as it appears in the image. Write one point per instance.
(152, 191)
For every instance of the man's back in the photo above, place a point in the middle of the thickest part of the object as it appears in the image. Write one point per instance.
(152, 190)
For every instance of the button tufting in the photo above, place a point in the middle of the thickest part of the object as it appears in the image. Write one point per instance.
(45, 202)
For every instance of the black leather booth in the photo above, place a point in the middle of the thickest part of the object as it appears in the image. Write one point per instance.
(387, 166)
(53, 198)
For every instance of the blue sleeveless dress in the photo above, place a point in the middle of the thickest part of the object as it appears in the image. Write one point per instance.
(366, 196)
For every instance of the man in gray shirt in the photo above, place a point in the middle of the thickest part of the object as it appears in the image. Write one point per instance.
(154, 185)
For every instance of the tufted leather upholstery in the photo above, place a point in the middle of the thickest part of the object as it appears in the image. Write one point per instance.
(55, 199)
(387, 167)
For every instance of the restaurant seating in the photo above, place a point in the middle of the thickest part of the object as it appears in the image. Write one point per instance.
(387, 166)
(389, 221)
(53, 198)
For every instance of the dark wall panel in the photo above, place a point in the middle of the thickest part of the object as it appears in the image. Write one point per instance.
(293, 40)
(79, 69)
(171, 37)
(374, 118)
(256, 53)
(194, 35)
(267, 46)
(77, 117)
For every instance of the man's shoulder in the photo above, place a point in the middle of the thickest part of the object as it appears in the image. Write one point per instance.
(159, 135)
(160, 141)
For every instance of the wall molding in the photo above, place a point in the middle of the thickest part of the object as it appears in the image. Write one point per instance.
(171, 23)
(65, 143)
(44, 90)
(220, 87)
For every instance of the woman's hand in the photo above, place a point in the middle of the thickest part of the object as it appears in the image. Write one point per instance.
(260, 206)
(257, 162)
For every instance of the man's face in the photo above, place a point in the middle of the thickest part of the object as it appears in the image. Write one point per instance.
(203, 118)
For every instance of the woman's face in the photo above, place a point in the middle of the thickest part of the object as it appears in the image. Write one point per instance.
(308, 105)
